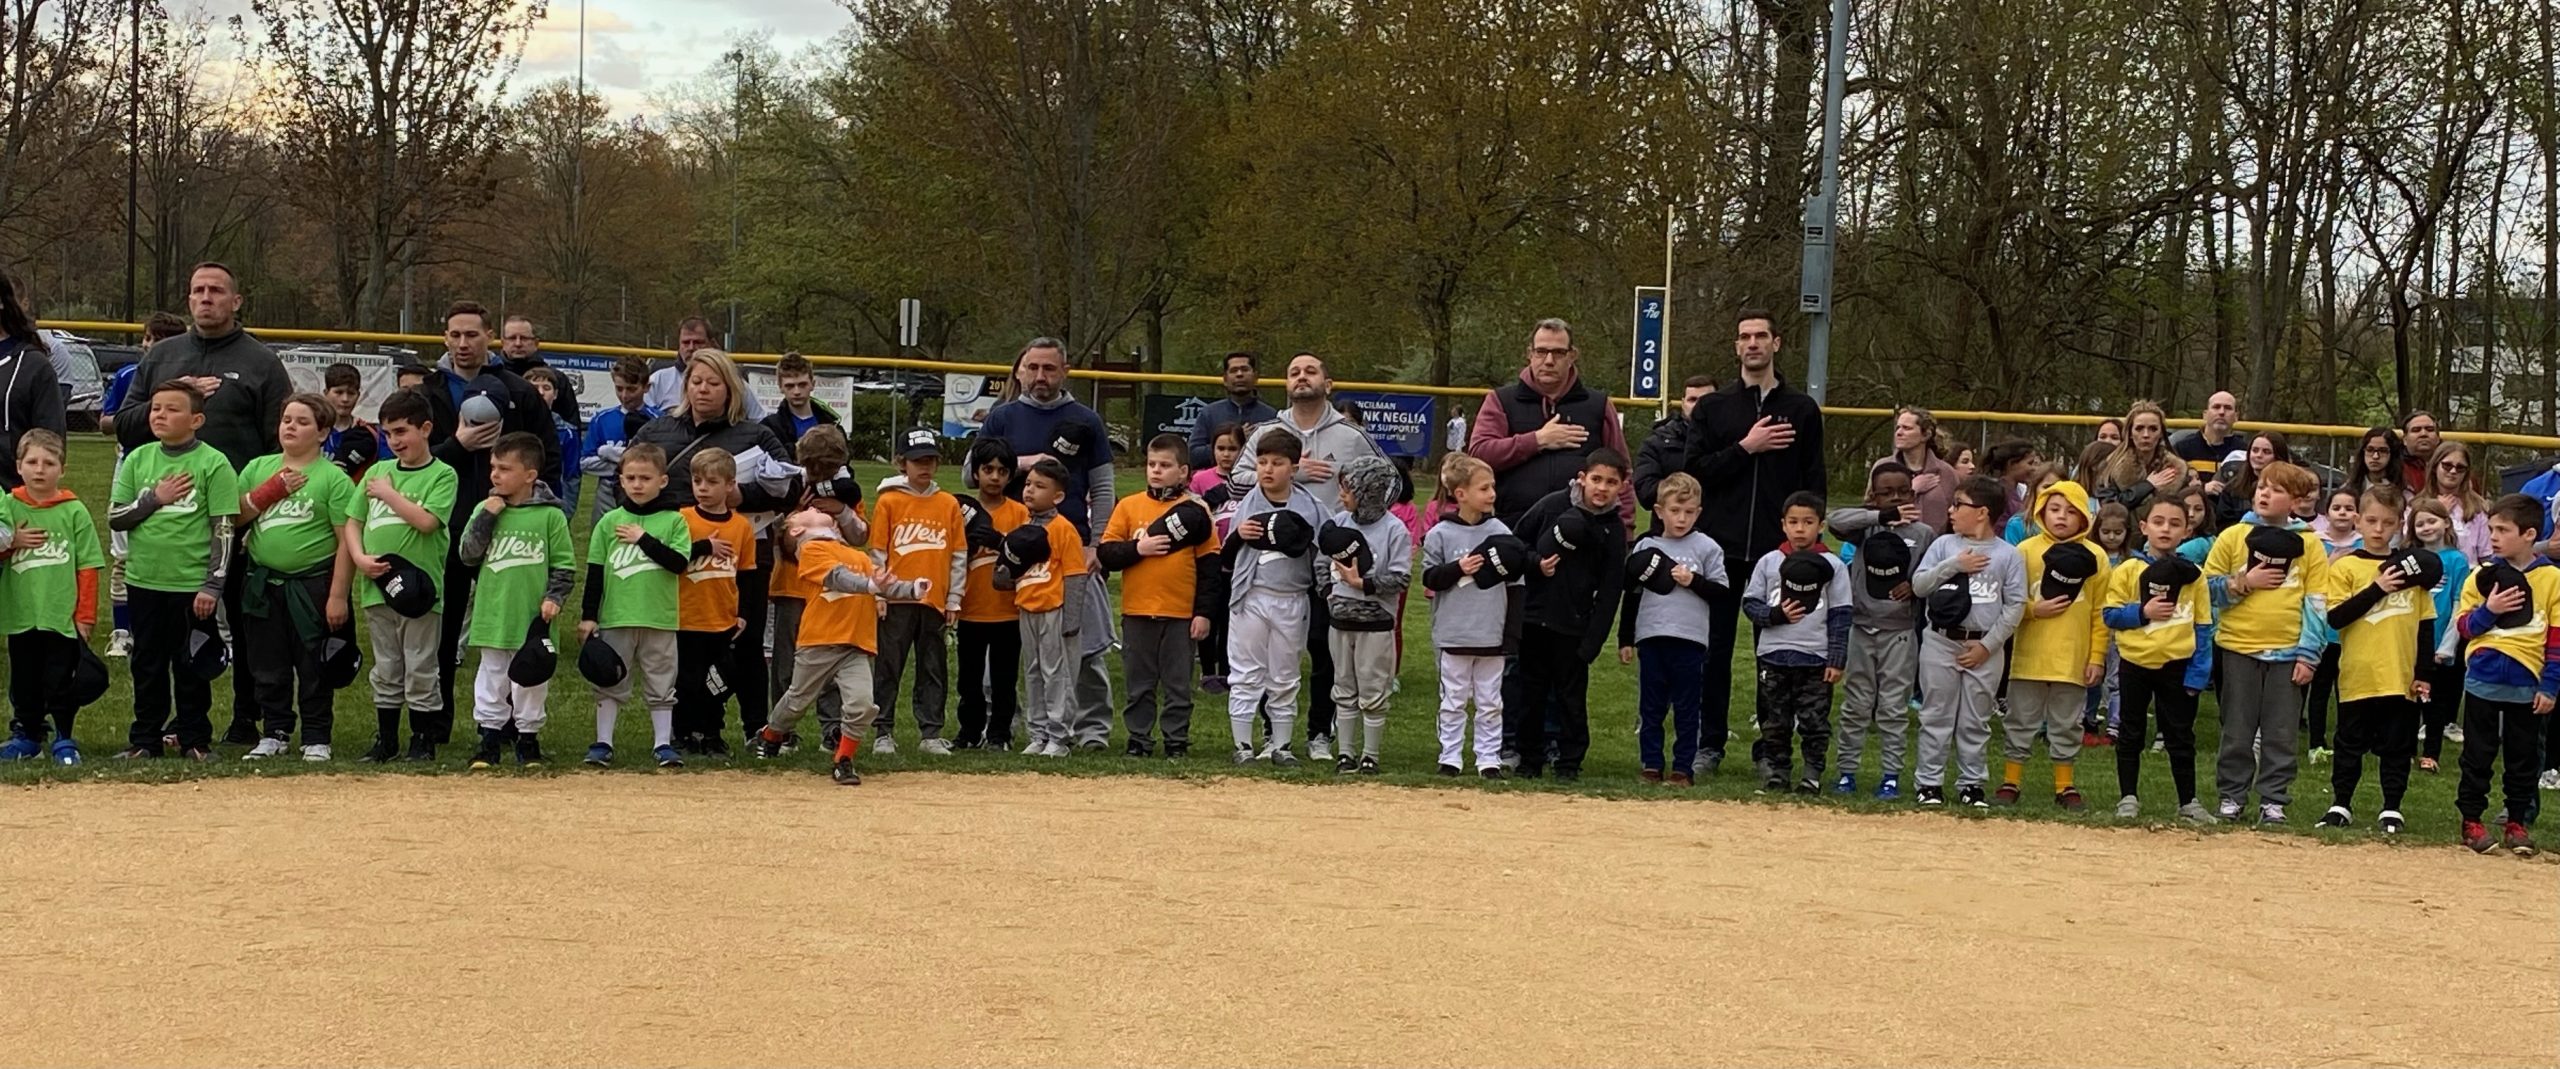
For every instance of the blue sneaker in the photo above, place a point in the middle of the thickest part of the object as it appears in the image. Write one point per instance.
(600, 754)
(1889, 789)
(20, 748)
(667, 757)
(66, 752)
(1846, 784)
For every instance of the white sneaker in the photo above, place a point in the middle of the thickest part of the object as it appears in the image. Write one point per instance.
(266, 748)
(1056, 749)
(120, 644)
(2270, 813)
(2453, 733)
(318, 751)
(1319, 748)
(935, 747)
(2551, 779)
(1036, 748)
(2128, 808)
(2228, 811)
(884, 746)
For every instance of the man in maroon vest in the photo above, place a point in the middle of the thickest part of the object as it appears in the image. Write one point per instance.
(1535, 432)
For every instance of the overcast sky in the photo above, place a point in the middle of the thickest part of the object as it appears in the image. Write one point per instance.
(636, 47)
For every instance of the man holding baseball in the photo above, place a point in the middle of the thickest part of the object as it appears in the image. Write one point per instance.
(473, 402)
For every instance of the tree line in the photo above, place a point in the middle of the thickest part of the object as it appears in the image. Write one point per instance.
(2340, 209)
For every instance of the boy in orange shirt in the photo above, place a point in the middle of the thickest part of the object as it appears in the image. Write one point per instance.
(1040, 562)
(839, 632)
(1164, 544)
(918, 527)
(990, 637)
(822, 454)
(724, 544)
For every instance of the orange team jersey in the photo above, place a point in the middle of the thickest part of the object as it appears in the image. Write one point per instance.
(921, 533)
(1044, 587)
(1156, 587)
(834, 619)
(982, 603)
(709, 598)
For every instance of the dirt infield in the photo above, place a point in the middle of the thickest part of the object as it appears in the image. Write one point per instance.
(975, 920)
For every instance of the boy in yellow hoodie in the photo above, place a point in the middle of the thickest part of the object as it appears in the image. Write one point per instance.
(2061, 649)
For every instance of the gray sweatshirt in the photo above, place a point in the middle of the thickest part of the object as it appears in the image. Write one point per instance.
(1262, 569)
(1810, 635)
(1680, 614)
(1999, 590)
(1335, 439)
(1874, 613)
(1375, 608)
(1465, 616)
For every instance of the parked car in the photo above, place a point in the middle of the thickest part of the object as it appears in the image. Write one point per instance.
(82, 386)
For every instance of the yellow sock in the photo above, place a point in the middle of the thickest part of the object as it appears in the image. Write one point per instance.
(2013, 773)
(2061, 778)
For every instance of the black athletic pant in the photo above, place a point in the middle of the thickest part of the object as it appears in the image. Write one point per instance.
(283, 668)
(2384, 727)
(1319, 688)
(40, 664)
(2139, 690)
(2487, 729)
(1551, 671)
(746, 654)
(700, 655)
(437, 725)
(243, 729)
(990, 677)
(2443, 706)
(2315, 703)
(162, 622)
(1715, 701)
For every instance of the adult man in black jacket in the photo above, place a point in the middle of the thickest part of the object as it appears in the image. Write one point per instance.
(521, 351)
(1666, 447)
(243, 384)
(1751, 443)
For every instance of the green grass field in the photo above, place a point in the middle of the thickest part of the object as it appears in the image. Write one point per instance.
(1411, 740)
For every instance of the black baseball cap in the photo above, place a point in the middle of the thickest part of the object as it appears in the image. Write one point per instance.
(919, 443)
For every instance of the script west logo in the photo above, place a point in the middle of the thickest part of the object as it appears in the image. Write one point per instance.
(1985, 590)
(917, 536)
(1039, 573)
(289, 510)
(380, 515)
(54, 552)
(626, 560)
(513, 551)
(2398, 603)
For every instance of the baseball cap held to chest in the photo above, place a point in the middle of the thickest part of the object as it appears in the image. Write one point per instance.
(1887, 560)
(1505, 558)
(1186, 524)
(2277, 546)
(2168, 577)
(2500, 575)
(1650, 568)
(1801, 578)
(1949, 605)
(2067, 570)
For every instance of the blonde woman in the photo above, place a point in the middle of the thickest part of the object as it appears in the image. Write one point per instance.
(2144, 466)
(2449, 482)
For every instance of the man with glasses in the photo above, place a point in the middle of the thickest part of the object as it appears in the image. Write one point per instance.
(1534, 433)
(2421, 436)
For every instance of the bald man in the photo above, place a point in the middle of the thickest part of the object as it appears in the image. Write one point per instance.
(2205, 450)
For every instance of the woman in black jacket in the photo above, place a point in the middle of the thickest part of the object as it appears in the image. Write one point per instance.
(713, 415)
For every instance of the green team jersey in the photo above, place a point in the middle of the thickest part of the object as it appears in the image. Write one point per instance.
(530, 541)
(637, 592)
(431, 488)
(40, 587)
(300, 532)
(171, 550)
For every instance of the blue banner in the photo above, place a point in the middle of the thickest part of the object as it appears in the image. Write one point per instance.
(1644, 365)
(1400, 423)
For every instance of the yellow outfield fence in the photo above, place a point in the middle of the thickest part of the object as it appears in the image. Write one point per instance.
(1633, 404)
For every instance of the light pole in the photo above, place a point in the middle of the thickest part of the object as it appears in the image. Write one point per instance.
(1821, 216)
(737, 58)
(133, 164)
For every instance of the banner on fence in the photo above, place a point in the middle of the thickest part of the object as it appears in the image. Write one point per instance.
(966, 399)
(1399, 423)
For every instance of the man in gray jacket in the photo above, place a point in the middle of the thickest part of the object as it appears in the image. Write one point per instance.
(1327, 439)
(243, 384)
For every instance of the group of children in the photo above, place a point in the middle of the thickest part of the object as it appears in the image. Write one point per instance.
(1961, 624)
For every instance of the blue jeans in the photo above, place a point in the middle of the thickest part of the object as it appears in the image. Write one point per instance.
(1672, 672)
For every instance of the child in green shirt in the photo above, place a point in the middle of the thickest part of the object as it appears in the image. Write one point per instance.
(399, 513)
(49, 563)
(174, 501)
(636, 560)
(519, 541)
(295, 595)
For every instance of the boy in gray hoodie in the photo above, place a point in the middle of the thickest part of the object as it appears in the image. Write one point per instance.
(1269, 600)
(1884, 636)
(1960, 662)
(1369, 562)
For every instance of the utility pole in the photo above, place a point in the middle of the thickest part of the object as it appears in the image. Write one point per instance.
(1821, 216)
(133, 166)
(737, 58)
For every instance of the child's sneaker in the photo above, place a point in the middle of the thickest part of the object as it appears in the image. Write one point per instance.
(1282, 758)
(1213, 684)
(2090, 740)
(1244, 756)
(2270, 813)
(764, 745)
(317, 753)
(2476, 836)
(1342, 762)
(529, 751)
(2391, 824)
(266, 748)
(884, 746)
(2337, 817)
(487, 755)
(1319, 748)
(842, 772)
(2229, 811)
(1932, 796)
(600, 755)
(1056, 749)
(2069, 799)
(1809, 785)
(120, 643)
(135, 753)
(419, 750)
(1452, 770)
(382, 751)
(1137, 749)
(1677, 779)
(2453, 733)
(1889, 788)
(935, 747)
(1368, 764)
(1971, 797)
(1493, 773)
(2195, 816)
(2319, 755)
(2007, 795)
(668, 757)
(1175, 751)
(1709, 761)
(66, 752)
(1846, 784)
(1035, 748)
(2550, 779)
(2518, 839)
(715, 745)
(2128, 808)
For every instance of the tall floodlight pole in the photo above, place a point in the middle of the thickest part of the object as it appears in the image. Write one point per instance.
(1821, 215)
(133, 165)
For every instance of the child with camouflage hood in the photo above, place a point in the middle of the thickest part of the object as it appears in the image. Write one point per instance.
(1368, 561)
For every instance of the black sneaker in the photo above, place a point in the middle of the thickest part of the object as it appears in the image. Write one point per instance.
(1369, 765)
(1933, 796)
(1451, 770)
(487, 755)
(1175, 751)
(2337, 817)
(1344, 762)
(828, 736)
(383, 750)
(715, 746)
(844, 775)
(1493, 772)
(1971, 797)
(2391, 823)
(1773, 782)
(529, 751)
(1568, 775)
(1809, 785)
(1138, 749)
(419, 751)
(790, 742)
(762, 748)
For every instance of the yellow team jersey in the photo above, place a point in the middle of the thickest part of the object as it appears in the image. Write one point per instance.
(2269, 619)
(2157, 642)
(2060, 648)
(2524, 644)
(2378, 652)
